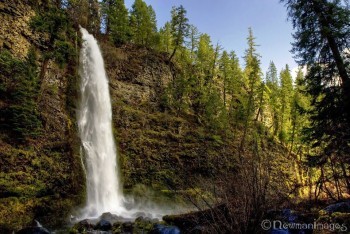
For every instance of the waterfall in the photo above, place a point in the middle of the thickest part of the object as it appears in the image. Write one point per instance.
(95, 127)
(104, 190)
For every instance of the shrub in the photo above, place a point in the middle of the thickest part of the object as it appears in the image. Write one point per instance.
(20, 88)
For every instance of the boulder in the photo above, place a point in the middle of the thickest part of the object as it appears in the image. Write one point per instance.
(112, 218)
(83, 226)
(127, 228)
(103, 225)
(34, 228)
(342, 207)
(162, 229)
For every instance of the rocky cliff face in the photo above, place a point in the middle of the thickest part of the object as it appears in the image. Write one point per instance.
(154, 143)
(40, 177)
(43, 176)
(15, 32)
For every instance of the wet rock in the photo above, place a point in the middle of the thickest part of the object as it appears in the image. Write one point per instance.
(112, 218)
(342, 207)
(162, 229)
(143, 225)
(117, 227)
(83, 226)
(103, 225)
(127, 228)
(139, 219)
(140, 214)
(34, 228)
(279, 231)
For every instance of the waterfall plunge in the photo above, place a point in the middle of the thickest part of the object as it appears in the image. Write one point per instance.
(104, 191)
(95, 127)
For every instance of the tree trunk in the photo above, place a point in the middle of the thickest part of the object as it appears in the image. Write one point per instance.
(327, 33)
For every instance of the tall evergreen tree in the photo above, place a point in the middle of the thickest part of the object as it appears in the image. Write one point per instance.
(286, 95)
(193, 40)
(274, 97)
(165, 38)
(205, 56)
(142, 23)
(271, 75)
(179, 28)
(299, 107)
(322, 39)
(252, 74)
(116, 20)
(94, 17)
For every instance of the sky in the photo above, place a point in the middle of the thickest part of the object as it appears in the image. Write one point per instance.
(227, 22)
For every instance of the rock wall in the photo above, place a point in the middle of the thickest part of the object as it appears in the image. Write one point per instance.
(15, 32)
(42, 177)
(154, 143)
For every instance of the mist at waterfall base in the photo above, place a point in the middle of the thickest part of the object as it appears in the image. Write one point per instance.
(104, 189)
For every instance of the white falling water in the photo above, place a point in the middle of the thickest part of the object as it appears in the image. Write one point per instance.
(95, 127)
(104, 191)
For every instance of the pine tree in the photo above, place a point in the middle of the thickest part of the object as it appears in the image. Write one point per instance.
(252, 72)
(94, 17)
(236, 90)
(271, 75)
(192, 45)
(322, 38)
(205, 56)
(179, 28)
(286, 95)
(225, 74)
(153, 36)
(21, 117)
(165, 38)
(202, 75)
(299, 111)
(143, 26)
(116, 20)
(274, 97)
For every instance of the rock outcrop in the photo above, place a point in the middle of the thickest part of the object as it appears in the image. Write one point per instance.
(15, 32)
(42, 176)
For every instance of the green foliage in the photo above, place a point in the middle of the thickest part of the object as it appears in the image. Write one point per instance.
(21, 86)
(117, 20)
(63, 52)
(55, 23)
(286, 94)
(321, 39)
(274, 98)
(165, 38)
(252, 73)
(143, 24)
(193, 35)
(179, 28)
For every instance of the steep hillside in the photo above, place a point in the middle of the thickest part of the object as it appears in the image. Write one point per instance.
(41, 174)
(162, 149)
